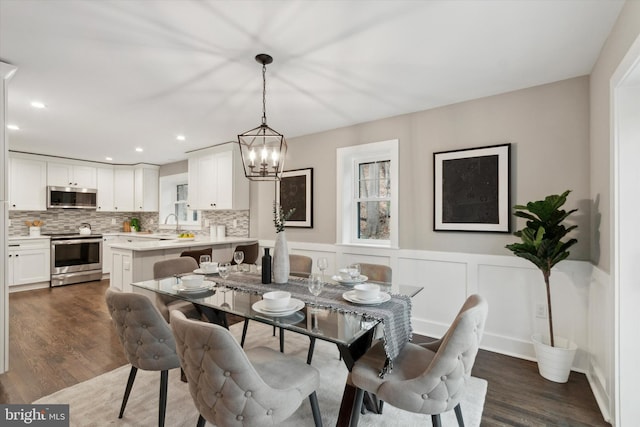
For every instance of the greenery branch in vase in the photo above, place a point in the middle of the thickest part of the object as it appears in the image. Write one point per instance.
(280, 251)
(542, 238)
(280, 218)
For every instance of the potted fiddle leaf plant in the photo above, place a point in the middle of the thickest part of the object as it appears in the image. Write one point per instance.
(542, 244)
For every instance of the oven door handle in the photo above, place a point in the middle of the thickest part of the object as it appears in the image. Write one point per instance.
(75, 241)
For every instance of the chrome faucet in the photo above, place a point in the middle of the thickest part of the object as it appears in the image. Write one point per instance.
(177, 221)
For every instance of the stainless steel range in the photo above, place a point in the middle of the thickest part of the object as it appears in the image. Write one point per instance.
(75, 258)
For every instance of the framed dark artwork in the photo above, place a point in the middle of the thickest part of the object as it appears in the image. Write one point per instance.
(472, 189)
(295, 190)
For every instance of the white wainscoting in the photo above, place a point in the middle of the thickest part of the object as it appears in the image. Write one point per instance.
(601, 341)
(581, 296)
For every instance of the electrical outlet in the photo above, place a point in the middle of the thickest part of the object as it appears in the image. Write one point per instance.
(541, 311)
(207, 223)
(235, 223)
(8, 223)
(113, 221)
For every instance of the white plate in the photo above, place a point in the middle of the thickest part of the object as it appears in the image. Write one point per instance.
(294, 305)
(206, 285)
(351, 297)
(360, 279)
(201, 271)
(186, 239)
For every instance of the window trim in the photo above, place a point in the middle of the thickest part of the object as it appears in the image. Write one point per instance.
(346, 188)
(173, 181)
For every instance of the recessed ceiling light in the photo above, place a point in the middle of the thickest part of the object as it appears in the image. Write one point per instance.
(38, 104)
(139, 150)
(108, 159)
(181, 138)
(13, 127)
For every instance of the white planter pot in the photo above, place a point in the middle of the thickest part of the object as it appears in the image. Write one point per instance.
(554, 363)
(281, 259)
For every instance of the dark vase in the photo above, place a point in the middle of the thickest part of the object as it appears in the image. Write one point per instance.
(266, 266)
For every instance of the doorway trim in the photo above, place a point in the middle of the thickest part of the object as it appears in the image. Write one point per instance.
(624, 176)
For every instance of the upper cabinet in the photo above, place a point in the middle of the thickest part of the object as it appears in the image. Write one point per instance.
(146, 188)
(216, 179)
(27, 184)
(68, 174)
(104, 184)
(123, 194)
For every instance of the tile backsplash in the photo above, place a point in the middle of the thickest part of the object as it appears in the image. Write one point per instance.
(69, 220)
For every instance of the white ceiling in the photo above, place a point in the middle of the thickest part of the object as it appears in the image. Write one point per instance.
(116, 75)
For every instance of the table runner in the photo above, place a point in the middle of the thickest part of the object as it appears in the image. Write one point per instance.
(395, 314)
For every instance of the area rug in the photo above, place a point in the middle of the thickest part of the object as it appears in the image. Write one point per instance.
(96, 402)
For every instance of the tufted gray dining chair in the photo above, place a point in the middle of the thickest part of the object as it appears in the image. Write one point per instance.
(231, 387)
(147, 341)
(167, 268)
(427, 378)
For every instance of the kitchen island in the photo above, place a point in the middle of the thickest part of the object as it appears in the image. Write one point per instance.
(133, 261)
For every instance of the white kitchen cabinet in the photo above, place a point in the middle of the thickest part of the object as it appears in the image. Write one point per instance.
(27, 184)
(29, 261)
(68, 174)
(216, 179)
(107, 260)
(104, 185)
(123, 194)
(146, 188)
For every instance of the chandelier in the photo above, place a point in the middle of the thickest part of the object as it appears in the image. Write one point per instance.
(263, 149)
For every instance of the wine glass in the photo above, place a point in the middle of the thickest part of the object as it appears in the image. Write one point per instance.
(205, 260)
(238, 257)
(224, 270)
(354, 271)
(323, 264)
(315, 286)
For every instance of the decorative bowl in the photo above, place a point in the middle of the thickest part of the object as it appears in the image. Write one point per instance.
(192, 280)
(367, 291)
(276, 300)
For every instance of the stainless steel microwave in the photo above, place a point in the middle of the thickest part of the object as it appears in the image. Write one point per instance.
(71, 198)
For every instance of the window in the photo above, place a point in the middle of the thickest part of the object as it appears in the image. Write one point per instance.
(174, 192)
(367, 194)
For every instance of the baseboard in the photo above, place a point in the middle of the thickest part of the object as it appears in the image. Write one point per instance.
(29, 287)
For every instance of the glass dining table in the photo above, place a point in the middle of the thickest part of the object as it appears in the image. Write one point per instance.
(335, 320)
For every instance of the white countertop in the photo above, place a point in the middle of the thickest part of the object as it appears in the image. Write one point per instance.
(28, 237)
(153, 245)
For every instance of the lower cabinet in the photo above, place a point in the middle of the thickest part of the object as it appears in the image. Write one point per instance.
(29, 261)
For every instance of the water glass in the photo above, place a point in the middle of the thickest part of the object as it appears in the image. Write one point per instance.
(205, 259)
(354, 271)
(238, 257)
(224, 270)
(323, 264)
(315, 284)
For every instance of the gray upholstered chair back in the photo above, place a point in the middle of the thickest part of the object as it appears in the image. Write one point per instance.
(300, 265)
(376, 272)
(250, 253)
(145, 336)
(172, 266)
(224, 384)
(168, 268)
(442, 384)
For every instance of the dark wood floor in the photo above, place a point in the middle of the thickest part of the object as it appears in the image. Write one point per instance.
(62, 336)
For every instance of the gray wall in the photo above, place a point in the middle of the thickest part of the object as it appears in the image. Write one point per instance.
(625, 31)
(548, 126)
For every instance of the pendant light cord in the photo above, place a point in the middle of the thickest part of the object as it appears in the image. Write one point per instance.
(264, 94)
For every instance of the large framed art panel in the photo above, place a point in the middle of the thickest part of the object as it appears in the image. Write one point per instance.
(472, 189)
(295, 190)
